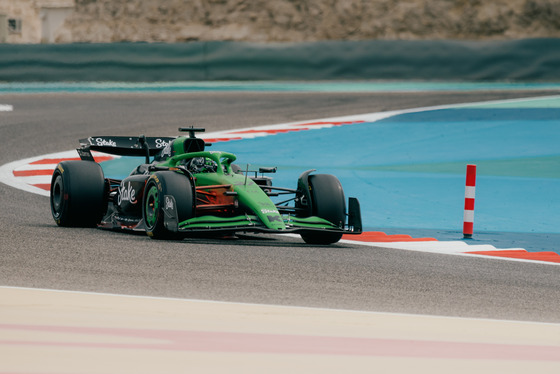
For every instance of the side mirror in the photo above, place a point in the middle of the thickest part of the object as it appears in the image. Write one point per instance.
(267, 170)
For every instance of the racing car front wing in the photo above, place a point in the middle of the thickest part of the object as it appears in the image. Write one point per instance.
(252, 223)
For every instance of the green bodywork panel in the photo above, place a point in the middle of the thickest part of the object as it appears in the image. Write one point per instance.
(250, 221)
(213, 221)
(310, 222)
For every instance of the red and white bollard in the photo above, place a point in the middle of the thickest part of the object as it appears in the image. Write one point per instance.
(468, 216)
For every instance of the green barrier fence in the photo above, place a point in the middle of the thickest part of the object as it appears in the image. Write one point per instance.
(515, 60)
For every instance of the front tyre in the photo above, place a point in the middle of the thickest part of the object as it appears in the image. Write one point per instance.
(158, 185)
(328, 202)
(77, 195)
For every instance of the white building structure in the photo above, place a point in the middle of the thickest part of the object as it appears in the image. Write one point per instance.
(33, 21)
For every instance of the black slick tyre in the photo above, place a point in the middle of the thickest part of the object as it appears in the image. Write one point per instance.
(328, 202)
(77, 195)
(158, 185)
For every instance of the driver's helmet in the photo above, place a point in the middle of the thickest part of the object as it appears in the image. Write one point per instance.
(201, 165)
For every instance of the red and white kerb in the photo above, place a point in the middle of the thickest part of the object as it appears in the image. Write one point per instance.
(468, 216)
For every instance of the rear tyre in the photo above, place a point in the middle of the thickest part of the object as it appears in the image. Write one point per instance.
(328, 202)
(161, 184)
(77, 195)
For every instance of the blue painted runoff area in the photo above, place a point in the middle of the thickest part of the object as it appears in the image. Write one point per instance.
(410, 172)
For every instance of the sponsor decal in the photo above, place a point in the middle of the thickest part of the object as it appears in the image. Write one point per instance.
(170, 219)
(160, 143)
(102, 142)
(59, 167)
(274, 219)
(85, 154)
(267, 211)
(127, 193)
(168, 203)
(124, 219)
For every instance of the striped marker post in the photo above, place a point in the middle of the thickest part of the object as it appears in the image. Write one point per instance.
(468, 216)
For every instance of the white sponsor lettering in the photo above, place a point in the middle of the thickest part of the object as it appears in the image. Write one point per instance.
(127, 193)
(102, 142)
(267, 211)
(168, 203)
(160, 143)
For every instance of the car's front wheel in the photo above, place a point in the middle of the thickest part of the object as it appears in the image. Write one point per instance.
(328, 202)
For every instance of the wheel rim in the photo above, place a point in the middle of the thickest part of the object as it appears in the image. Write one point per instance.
(57, 196)
(152, 206)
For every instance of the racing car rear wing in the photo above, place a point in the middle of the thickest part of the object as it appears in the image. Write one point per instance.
(125, 146)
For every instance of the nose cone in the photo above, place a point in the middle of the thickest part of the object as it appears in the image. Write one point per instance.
(252, 197)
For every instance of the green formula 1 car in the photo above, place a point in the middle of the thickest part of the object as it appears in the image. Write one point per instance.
(183, 190)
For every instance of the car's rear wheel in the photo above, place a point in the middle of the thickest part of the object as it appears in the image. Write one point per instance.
(328, 202)
(77, 195)
(157, 187)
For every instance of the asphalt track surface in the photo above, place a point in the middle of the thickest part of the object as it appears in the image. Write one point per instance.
(255, 269)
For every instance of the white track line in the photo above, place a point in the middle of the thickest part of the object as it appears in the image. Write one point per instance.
(457, 248)
(26, 183)
(6, 108)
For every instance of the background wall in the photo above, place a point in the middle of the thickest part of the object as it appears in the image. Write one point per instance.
(516, 60)
(38, 21)
(281, 39)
